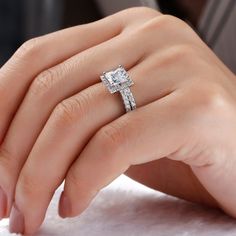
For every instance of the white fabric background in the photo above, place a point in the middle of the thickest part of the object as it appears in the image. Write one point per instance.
(126, 208)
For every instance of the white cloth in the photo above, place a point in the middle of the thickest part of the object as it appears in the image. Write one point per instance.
(127, 208)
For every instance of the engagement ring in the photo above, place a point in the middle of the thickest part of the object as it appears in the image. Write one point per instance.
(119, 80)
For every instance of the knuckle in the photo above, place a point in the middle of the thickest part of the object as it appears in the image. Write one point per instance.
(110, 136)
(27, 185)
(159, 22)
(29, 49)
(165, 20)
(80, 183)
(163, 23)
(7, 161)
(142, 11)
(184, 53)
(64, 113)
(214, 97)
(172, 22)
(43, 83)
(73, 179)
(129, 18)
(211, 100)
(72, 109)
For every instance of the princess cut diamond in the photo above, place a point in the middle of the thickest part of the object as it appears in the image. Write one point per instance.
(116, 79)
(119, 80)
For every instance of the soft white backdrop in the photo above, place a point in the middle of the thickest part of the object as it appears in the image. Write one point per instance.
(126, 208)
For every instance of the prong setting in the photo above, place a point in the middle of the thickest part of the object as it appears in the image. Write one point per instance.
(117, 79)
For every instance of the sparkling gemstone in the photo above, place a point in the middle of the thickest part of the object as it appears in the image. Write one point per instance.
(117, 76)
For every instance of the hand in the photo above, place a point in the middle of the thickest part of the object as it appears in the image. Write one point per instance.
(58, 121)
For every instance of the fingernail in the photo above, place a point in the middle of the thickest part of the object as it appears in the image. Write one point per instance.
(3, 203)
(64, 206)
(16, 221)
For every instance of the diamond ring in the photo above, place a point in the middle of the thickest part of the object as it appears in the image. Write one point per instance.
(119, 80)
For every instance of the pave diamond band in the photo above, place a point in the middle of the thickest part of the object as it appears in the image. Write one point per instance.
(118, 80)
(128, 99)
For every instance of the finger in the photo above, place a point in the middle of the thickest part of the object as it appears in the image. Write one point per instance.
(63, 81)
(149, 88)
(13, 148)
(144, 93)
(39, 102)
(41, 53)
(69, 128)
(34, 54)
(148, 133)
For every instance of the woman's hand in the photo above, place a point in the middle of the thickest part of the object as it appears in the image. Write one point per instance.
(58, 121)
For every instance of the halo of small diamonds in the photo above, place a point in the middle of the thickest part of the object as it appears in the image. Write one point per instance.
(119, 80)
(116, 80)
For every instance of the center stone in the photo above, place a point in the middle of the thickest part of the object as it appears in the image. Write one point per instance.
(117, 76)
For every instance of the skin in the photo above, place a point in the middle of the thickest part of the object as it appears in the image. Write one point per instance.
(58, 121)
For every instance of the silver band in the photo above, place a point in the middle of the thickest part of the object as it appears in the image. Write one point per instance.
(118, 80)
(128, 99)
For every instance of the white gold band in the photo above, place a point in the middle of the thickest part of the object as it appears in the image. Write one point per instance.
(128, 99)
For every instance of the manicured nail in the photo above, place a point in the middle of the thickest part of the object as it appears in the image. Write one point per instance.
(64, 206)
(3, 204)
(16, 221)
